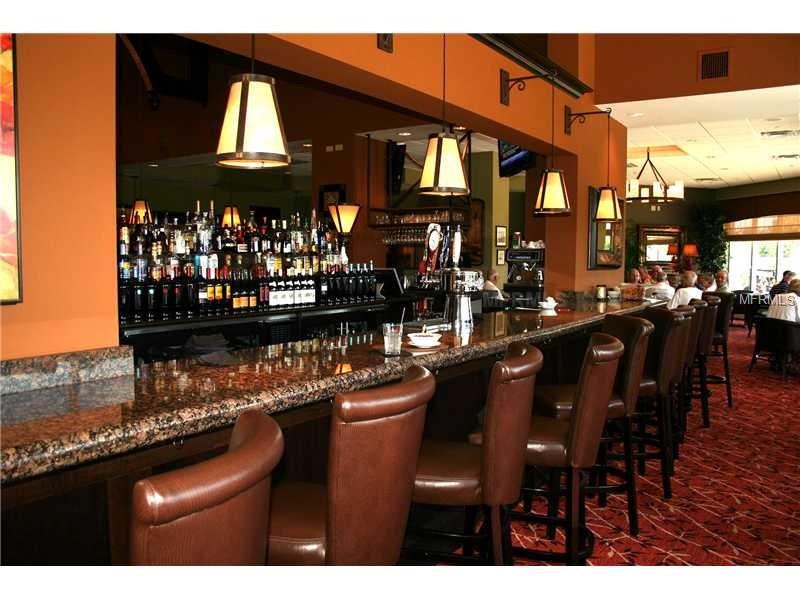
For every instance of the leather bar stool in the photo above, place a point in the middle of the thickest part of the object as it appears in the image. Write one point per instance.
(487, 470)
(662, 372)
(556, 401)
(571, 445)
(214, 512)
(693, 311)
(360, 517)
(720, 345)
(709, 319)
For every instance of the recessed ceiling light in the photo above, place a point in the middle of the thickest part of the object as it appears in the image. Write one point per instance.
(404, 133)
(152, 164)
(459, 128)
(401, 143)
(774, 119)
(306, 145)
(635, 115)
(711, 156)
(691, 140)
(723, 168)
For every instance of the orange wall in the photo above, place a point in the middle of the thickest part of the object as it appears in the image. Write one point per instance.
(642, 67)
(412, 77)
(66, 98)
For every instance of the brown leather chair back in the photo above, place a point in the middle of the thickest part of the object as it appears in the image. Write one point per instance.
(507, 421)
(375, 440)
(694, 312)
(665, 351)
(592, 394)
(708, 323)
(634, 333)
(723, 313)
(211, 513)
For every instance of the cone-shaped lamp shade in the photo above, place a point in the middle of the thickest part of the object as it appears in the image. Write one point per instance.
(608, 206)
(252, 134)
(230, 216)
(443, 172)
(141, 209)
(690, 250)
(344, 216)
(672, 249)
(552, 198)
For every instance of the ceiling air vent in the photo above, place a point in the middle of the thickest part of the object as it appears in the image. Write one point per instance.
(632, 165)
(707, 179)
(714, 65)
(781, 133)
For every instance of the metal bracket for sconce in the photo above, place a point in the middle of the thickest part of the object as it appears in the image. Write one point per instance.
(570, 117)
(507, 82)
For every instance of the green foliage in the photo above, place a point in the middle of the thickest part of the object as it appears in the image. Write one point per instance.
(710, 237)
(632, 257)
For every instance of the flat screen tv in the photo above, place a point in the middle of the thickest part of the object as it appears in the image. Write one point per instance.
(513, 159)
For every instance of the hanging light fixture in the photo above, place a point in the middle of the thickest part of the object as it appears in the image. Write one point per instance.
(230, 216)
(252, 135)
(659, 191)
(608, 209)
(443, 170)
(140, 207)
(552, 198)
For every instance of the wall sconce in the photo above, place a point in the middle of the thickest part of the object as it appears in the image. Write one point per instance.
(344, 216)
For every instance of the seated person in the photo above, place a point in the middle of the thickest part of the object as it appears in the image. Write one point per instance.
(490, 285)
(706, 282)
(786, 306)
(662, 289)
(721, 279)
(634, 276)
(688, 290)
(645, 275)
(782, 286)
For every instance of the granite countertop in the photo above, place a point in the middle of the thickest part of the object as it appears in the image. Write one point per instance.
(57, 427)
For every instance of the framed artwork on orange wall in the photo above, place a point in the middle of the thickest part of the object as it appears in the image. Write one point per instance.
(10, 279)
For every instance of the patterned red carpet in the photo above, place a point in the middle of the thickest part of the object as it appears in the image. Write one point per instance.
(736, 489)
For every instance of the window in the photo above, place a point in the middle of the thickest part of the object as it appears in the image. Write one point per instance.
(757, 265)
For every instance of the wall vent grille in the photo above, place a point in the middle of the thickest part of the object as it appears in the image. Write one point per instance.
(714, 65)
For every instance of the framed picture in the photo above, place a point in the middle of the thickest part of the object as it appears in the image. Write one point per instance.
(332, 193)
(10, 264)
(501, 257)
(473, 240)
(606, 240)
(501, 236)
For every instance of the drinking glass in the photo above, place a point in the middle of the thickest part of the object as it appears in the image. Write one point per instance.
(392, 337)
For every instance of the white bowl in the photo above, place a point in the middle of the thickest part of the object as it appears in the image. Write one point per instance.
(614, 294)
(547, 305)
(424, 340)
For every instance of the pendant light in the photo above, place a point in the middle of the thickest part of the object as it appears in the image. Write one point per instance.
(140, 207)
(252, 135)
(443, 170)
(552, 198)
(608, 210)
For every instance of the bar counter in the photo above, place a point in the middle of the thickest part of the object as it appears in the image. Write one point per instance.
(47, 430)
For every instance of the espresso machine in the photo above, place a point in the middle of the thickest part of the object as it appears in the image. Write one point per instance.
(525, 285)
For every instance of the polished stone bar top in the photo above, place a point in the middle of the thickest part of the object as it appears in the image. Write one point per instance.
(49, 429)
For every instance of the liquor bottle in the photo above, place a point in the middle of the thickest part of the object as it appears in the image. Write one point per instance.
(202, 294)
(164, 289)
(151, 296)
(351, 286)
(280, 292)
(373, 282)
(138, 293)
(273, 290)
(311, 289)
(191, 304)
(179, 293)
(323, 287)
(252, 290)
